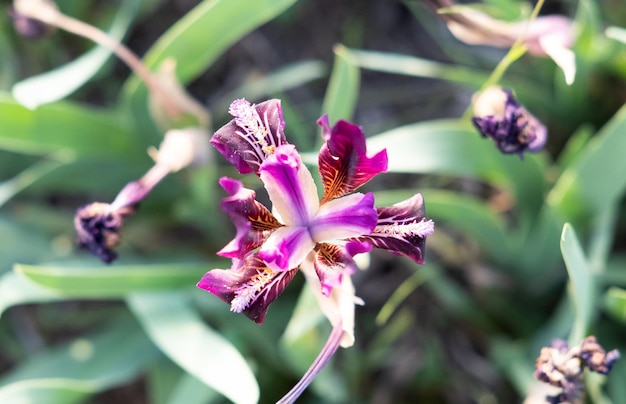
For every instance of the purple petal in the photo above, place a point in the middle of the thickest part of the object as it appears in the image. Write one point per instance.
(254, 222)
(256, 131)
(333, 261)
(249, 287)
(343, 163)
(402, 229)
(290, 186)
(345, 217)
(286, 248)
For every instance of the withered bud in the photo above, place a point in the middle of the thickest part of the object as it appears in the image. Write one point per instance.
(98, 228)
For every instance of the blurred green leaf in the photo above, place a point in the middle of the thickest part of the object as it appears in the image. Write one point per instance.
(80, 368)
(63, 81)
(413, 66)
(191, 390)
(66, 128)
(454, 148)
(285, 78)
(113, 281)
(616, 33)
(54, 390)
(15, 290)
(197, 39)
(178, 330)
(615, 303)
(595, 181)
(343, 87)
(401, 293)
(465, 212)
(11, 187)
(582, 283)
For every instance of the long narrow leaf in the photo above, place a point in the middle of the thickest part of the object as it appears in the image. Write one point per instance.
(106, 282)
(343, 87)
(178, 330)
(63, 81)
(581, 281)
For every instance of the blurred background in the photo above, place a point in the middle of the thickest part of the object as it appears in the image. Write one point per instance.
(465, 328)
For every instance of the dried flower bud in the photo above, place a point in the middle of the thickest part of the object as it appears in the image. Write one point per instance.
(498, 116)
(562, 366)
(98, 226)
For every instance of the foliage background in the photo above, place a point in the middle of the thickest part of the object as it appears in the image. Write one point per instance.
(466, 327)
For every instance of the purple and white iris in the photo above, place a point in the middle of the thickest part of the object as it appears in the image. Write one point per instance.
(302, 231)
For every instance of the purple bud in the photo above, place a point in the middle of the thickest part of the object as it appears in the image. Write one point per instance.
(498, 116)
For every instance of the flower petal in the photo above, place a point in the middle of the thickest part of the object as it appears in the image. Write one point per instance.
(254, 222)
(339, 306)
(343, 163)
(98, 228)
(286, 248)
(402, 229)
(249, 287)
(333, 261)
(290, 186)
(349, 216)
(256, 131)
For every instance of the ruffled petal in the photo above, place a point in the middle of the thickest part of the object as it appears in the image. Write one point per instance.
(402, 229)
(333, 261)
(343, 163)
(254, 134)
(346, 217)
(290, 186)
(249, 286)
(286, 248)
(254, 222)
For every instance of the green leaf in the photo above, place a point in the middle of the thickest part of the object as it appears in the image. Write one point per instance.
(343, 88)
(109, 282)
(453, 148)
(615, 303)
(178, 330)
(412, 66)
(285, 78)
(63, 81)
(80, 368)
(51, 391)
(595, 181)
(15, 290)
(200, 37)
(582, 283)
(66, 128)
(9, 188)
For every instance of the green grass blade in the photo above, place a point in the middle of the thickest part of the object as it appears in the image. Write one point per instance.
(413, 66)
(453, 148)
(111, 282)
(343, 88)
(15, 290)
(84, 366)
(66, 128)
(582, 283)
(63, 81)
(596, 180)
(200, 37)
(179, 331)
(615, 303)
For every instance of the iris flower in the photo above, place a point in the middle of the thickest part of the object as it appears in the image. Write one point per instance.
(302, 231)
